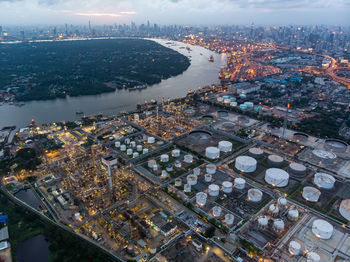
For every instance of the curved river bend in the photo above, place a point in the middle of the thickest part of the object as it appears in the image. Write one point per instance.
(201, 72)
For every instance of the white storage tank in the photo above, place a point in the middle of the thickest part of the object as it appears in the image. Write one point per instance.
(169, 168)
(213, 190)
(227, 187)
(151, 140)
(155, 167)
(276, 177)
(117, 144)
(191, 180)
(216, 211)
(151, 163)
(187, 188)
(322, 229)
(256, 152)
(145, 151)
(275, 160)
(178, 163)
(188, 158)
(123, 147)
(211, 169)
(225, 146)
(220, 99)
(313, 257)
(274, 210)
(207, 178)
(239, 183)
(311, 194)
(282, 202)
(344, 209)
(201, 198)
(212, 152)
(136, 154)
(132, 143)
(139, 148)
(294, 248)
(278, 225)
(178, 182)
(263, 222)
(164, 174)
(324, 180)
(197, 171)
(297, 169)
(164, 158)
(175, 153)
(254, 195)
(293, 214)
(229, 218)
(127, 141)
(129, 152)
(245, 164)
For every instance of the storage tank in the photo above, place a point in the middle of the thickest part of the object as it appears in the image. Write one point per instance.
(136, 116)
(178, 182)
(191, 180)
(239, 183)
(229, 218)
(256, 152)
(311, 194)
(297, 169)
(176, 153)
(213, 190)
(145, 151)
(151, 140)
(188, 158)
(227, 187)
(322, 229)
(324, 180)
(155, 167)
(207, 178)
(263, 222)
(275, 160)
(249, 104)
(201, 198)
(122, 147)
(313, 257)
(216, 211)
(324, 155)
(233, 104)
(212, 152)
(344, 209)
(227, 101)
(243, 107)
(293, 214)
(225, 146)
(178, 163)
(129, 152)
(278, 225)
(335, 145)
(164, 158)
(135, 154)
(164, 174)
(169, 168)
(139, 148)
(117, 144)
(294, 248)
(254, 195)
(274, 210)
(276, 177)
(133, 144)
(281, 202)
(151, 163)
(127, 141)
(220, 99)
(187, 188)
(245, 164)
(211, 169)
(197, 171)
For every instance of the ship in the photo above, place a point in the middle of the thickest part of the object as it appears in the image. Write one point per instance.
(211, 59)
(139, 87)
(79, 112)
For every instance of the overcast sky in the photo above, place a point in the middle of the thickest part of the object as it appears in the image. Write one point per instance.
(201, 12)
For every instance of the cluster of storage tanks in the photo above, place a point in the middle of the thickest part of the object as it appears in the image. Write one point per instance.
(213, 152)
(231, 101)
(321, 181)
(131, 148)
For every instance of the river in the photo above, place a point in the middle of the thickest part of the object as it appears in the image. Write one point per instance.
(201, 72)
(35, 249)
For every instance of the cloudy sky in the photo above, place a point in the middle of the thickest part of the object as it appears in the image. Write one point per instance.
(203, 12)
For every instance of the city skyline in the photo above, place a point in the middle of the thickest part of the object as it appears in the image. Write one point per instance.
(262, 12)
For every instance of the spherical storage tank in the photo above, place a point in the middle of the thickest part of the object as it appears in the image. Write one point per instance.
(192, 180)
(254, 195)
(211, 169)
(239, 183)
(324, 180)
(139, 148)
(293, 214)
(151, 140)
(225, 146)
(275, 160)
(187, 188)
(188, 158)
(117, 144)
(278, 225)
(175, 153)
(127, 141)
(201, 198)
(294, 248)
(145, 151)
(220, 99)
(311, 194)
(256, 152)
(322, 229)
(216, 211)
(164, 158)
(178, 163)
(229, 218)
(212, 152)
(213, 190)
(135, 155)
(274, 210)
(178, 182)
(282, 202)
(164, 174)
(245, 164)
(313, 257)
(197, 171)
(123, 147)
(207, 178)
(263, 221)
(297, 169)
(129, 152)
(276, 177)
(344, 209)
(133, 143)
(227, 187)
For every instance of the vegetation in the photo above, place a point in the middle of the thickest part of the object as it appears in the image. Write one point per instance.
(25, 158)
